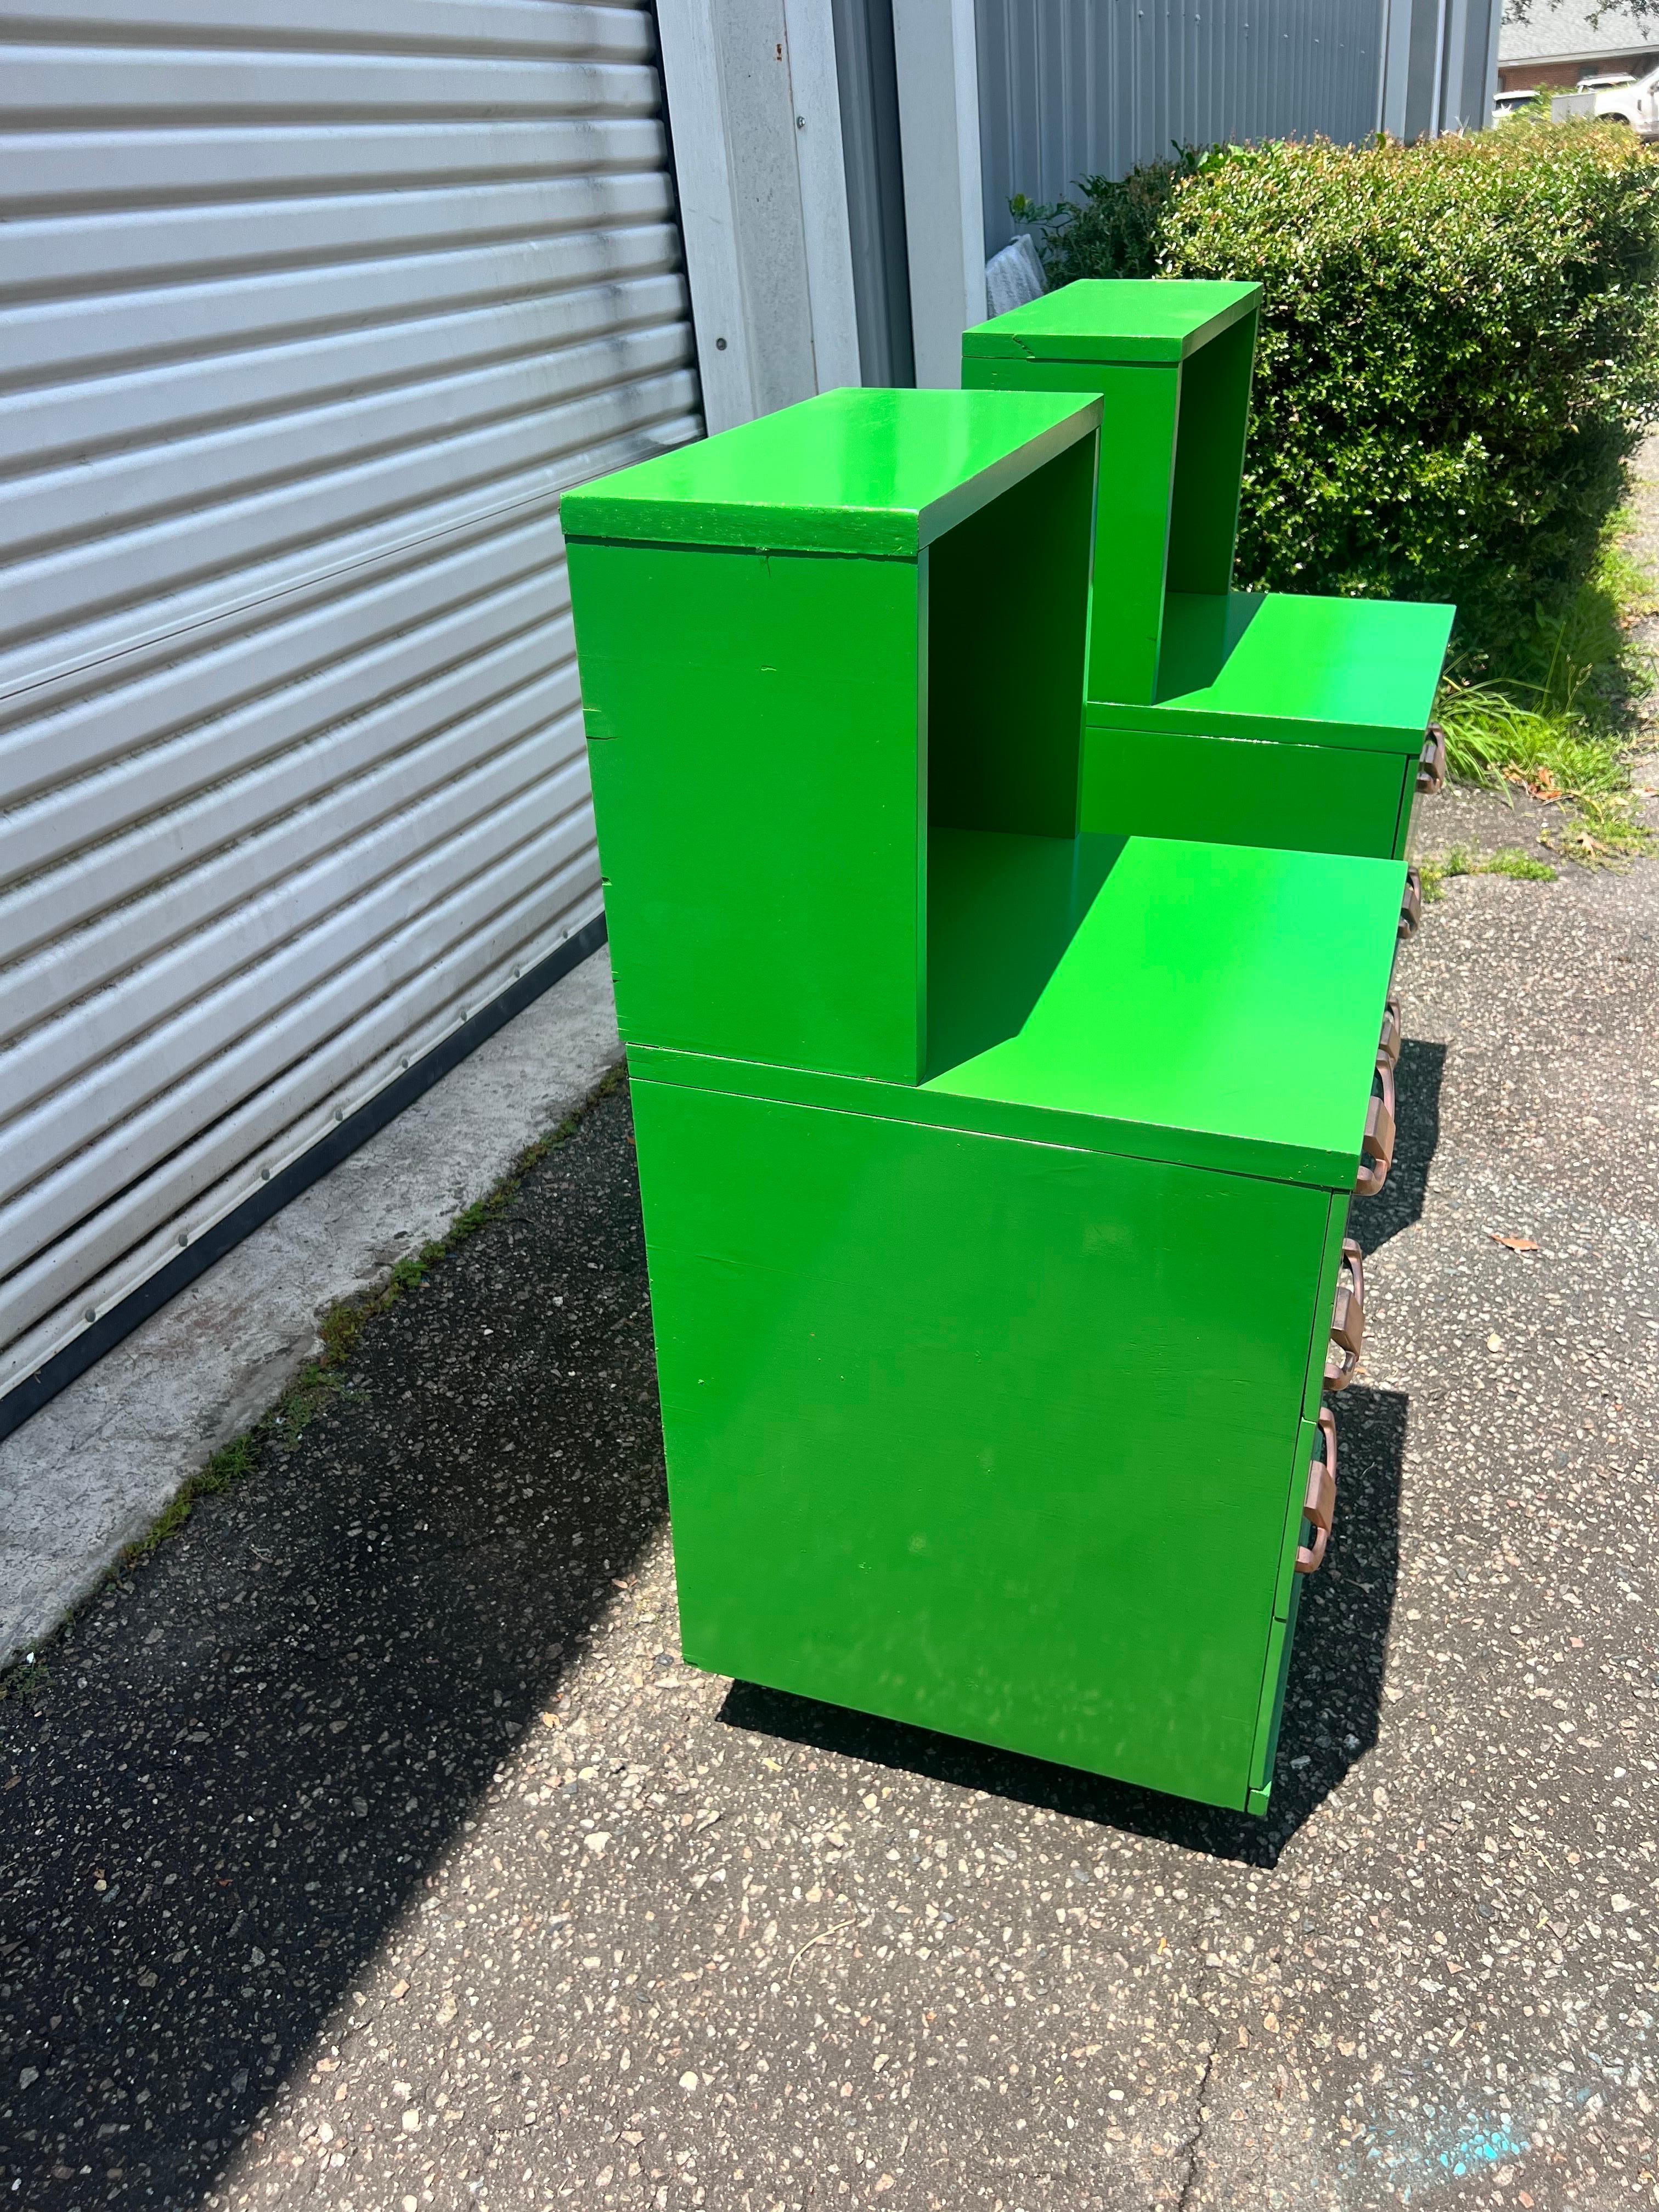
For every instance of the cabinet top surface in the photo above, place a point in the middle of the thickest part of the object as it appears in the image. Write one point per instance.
(1230, 991)
(1151, 319)
(1359, 671)
(873, 473)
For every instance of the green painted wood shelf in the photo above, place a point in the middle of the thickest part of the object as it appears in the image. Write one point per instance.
(1272, 719)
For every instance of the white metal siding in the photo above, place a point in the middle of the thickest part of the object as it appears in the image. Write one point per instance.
(312, 308)
(1077, 87)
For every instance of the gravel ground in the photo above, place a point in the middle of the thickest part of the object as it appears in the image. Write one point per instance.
(369, 1847)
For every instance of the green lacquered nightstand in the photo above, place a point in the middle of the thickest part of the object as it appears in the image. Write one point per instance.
(1270, 719)
(994, 1174)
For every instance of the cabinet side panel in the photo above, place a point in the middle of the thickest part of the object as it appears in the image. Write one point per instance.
(1330, 1269)
(984, 1436)
(1215, 405)
(1007, 612)
(1132, 507)
(753, 733)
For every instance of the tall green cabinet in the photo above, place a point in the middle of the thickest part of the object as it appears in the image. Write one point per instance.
(994, 1168)
(1253, 718)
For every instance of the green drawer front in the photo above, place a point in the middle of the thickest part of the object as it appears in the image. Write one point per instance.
(1236, 791)
(1273, 1704)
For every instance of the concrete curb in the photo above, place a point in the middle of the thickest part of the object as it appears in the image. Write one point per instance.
(89, 1473)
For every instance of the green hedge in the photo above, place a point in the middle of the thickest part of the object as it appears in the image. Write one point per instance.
(1459, 349)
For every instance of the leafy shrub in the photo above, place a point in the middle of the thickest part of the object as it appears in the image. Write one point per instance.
(1115, 232)
(1459, 350)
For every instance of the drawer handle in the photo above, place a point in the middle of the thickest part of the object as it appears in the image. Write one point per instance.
(1347, 1319)
(1320, 1502)
(1387, 1045)
(1411, 907)
(1376, 1145)
(1432, 768)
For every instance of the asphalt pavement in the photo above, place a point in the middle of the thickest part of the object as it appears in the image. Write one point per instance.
(368, 1847)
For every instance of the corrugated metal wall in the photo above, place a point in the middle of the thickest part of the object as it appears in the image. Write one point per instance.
(312, 308)
(1079, 86)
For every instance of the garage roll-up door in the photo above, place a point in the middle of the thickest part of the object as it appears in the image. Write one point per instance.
(312, 308)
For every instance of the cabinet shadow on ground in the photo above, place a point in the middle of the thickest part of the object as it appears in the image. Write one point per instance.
(1334, 1697)
(1400, 1202)
(239, 1763)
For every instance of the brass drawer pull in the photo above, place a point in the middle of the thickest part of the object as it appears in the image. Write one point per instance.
(1387, 1045)
(1376, 1145)
(1320, 1502)
(1347, 1319)
(1432, 768)
(1411, 906)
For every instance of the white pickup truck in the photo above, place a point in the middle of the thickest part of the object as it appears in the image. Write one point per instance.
(1632, 100)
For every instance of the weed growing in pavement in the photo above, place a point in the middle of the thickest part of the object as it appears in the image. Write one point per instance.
(1560, 725)
(30, 1677)
(1520, 867)
(1494, 738)
(320, 1378)
(343, 1323)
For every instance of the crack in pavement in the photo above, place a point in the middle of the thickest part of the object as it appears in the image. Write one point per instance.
(1189, 2149)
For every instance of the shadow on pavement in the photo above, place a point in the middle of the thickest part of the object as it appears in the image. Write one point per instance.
(1333, 1699)
(251, 1747)
(1418, 1079)
(1331, 1705)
